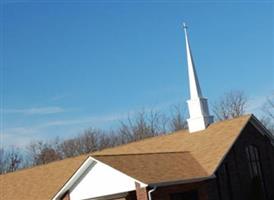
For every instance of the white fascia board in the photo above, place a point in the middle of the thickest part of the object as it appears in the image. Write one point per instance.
(77, 175)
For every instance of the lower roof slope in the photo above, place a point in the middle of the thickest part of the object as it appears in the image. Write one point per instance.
(155, 168)
(38, 183)
(183, 155)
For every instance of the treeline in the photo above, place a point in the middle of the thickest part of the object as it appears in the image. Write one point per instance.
(141, 125)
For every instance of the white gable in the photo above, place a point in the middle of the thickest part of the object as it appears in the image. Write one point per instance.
(100, 180)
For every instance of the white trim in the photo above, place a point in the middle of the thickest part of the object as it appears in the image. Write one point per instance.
(142, 184)
(84, 168)
(150, 192)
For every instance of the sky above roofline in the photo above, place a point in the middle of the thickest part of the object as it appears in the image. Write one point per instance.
(67, 66)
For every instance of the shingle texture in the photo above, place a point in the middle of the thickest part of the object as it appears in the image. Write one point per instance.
(156, 167)
(174, 157)
(38, 183)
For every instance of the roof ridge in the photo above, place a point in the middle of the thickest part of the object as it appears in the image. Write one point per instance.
(139, 141)
(146, 153)
(164, 135)
(172, 149)
(98, 153)
(231, 119)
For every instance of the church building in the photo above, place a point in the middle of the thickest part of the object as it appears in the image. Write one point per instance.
(226, 160)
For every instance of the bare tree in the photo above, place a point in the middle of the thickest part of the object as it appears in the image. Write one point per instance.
(13, 159)
(70, 147)
(142, 125)
(108, 139)
(230, 105)
(41, 152)
(178, 118)
(2, 161)
(91, 140)
(269, 107)
(268, 110)
(47, 155)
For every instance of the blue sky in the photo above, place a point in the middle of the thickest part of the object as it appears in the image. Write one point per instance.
(70, 65)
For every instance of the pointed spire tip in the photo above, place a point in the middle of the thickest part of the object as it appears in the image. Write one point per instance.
(184, 25)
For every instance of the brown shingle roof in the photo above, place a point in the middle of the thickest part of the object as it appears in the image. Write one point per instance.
(197, 155)
(207, 147)
(156, 167)
(38, 183)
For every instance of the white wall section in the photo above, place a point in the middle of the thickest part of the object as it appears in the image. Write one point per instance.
(101, 180)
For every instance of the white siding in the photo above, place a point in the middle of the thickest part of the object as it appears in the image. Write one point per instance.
(102, 180)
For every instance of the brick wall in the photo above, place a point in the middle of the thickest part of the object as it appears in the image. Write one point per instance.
(66, 196)
(141, 193)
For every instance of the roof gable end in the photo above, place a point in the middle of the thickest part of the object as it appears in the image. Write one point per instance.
(102, 178)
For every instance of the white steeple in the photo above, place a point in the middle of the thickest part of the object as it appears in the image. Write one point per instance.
(199, 117)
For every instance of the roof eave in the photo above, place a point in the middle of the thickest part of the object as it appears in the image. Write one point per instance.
(263, 130)
(185, 181)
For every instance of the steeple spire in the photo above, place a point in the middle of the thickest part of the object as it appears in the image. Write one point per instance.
(199, 117)
(195, 90)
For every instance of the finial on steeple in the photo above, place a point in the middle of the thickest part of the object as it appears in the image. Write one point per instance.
(197, 105)
(184, 25)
